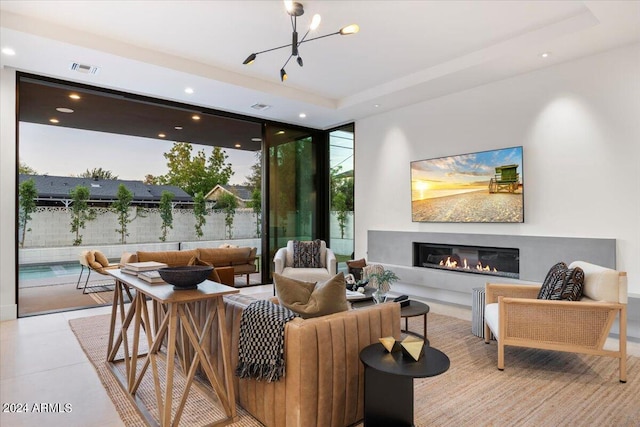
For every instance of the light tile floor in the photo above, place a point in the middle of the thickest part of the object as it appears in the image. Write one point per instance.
(42, 362)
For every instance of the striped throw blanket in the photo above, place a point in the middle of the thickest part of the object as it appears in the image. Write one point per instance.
(261, 341)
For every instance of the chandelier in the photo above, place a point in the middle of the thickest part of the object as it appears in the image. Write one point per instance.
(295, 9)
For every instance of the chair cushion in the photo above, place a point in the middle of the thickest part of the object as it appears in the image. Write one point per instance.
(600, 283)
(309, 299)
(306, 254)
(562, 283)
(307, 274)
(101, 258)
(491, 316)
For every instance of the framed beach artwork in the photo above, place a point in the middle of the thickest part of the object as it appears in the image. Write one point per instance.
(487, 186)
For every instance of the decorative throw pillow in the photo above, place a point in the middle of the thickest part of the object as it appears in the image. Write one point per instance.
(101, 258)
(554, 278)
(213, 276)
(309, 299)
(572, 285)
(306, 254)
(562, 283)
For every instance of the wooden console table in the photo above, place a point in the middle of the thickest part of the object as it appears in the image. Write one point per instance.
(168, 307)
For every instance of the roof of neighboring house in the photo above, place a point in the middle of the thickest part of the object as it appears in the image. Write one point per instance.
(242, 192)
(58, 187)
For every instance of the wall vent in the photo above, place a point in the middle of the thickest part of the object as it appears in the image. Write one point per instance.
(260, 107)
(84, 68)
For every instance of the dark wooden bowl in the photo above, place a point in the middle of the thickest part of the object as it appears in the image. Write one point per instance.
(186, 277)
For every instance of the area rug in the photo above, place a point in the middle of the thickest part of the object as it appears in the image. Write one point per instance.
(537, 387)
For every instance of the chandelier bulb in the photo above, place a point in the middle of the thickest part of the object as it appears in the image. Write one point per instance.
(250, 59)
(283, 75)
(349, 29)
(315, 22)
(300, 63)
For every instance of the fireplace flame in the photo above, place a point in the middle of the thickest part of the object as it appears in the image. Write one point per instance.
(465, 265)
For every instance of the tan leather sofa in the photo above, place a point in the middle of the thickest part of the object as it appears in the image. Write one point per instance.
(324, 380)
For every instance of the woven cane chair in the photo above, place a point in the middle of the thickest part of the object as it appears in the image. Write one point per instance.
(517, 318)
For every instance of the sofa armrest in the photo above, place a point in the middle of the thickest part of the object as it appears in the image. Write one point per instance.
(226, 275)
(332, 263)
(280, 260)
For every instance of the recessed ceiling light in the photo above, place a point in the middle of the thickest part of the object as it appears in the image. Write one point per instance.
(302, 115)
(256, 139)
(64, 110)
(161, 135)
(177, 127)
(8, 51)
(545, 54)
(376, 105)
(260, 106)
(280, 132)
(74, 96)
(188, 90)
(54, 120)
(195, 117)
(238, 145)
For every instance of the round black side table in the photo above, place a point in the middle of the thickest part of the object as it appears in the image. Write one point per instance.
(388, 383)
(415, 308)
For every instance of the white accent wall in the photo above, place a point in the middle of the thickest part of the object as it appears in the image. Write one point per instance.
(579, 124)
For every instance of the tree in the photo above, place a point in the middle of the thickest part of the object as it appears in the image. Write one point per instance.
(199, 211)
(197, 174)
(27, 194)
(256, 205)
(24, 169)
(166, 213)
(121, 208)
(228, 204)
(341, 193)
(98, 173)
(340, 206)
(254, 180)
(80, 212)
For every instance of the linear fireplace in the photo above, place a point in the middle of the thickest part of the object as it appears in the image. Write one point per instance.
(504, 262)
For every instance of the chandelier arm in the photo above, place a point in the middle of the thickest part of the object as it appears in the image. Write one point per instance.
(316, 38)
(289, 59)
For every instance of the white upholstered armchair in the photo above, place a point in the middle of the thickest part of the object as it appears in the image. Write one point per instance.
(517, 318)
(284, 264)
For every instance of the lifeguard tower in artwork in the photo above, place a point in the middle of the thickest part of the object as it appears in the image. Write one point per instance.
(506, 178)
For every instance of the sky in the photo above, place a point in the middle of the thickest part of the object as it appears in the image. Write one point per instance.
(59, 151)
(432, 177)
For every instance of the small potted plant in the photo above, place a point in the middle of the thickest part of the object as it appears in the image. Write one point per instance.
(382, 282)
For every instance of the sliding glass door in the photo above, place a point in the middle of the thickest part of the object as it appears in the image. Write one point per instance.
(295, 159)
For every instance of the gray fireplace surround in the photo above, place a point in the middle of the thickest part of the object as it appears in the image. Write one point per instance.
(394, 249)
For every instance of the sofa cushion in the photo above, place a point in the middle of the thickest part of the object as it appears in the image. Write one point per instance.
(225, 256)
(171, 258)
(309, 299)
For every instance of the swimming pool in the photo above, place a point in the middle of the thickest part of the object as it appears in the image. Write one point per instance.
(38, 272)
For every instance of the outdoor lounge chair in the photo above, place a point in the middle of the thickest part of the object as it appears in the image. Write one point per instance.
(94, 261)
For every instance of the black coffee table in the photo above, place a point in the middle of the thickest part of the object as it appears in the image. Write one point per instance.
(388, 383)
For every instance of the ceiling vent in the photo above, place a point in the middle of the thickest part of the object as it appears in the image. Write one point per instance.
(260, 107)
(84, 68)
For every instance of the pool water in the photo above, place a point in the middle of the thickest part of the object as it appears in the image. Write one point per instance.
(34, 272)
